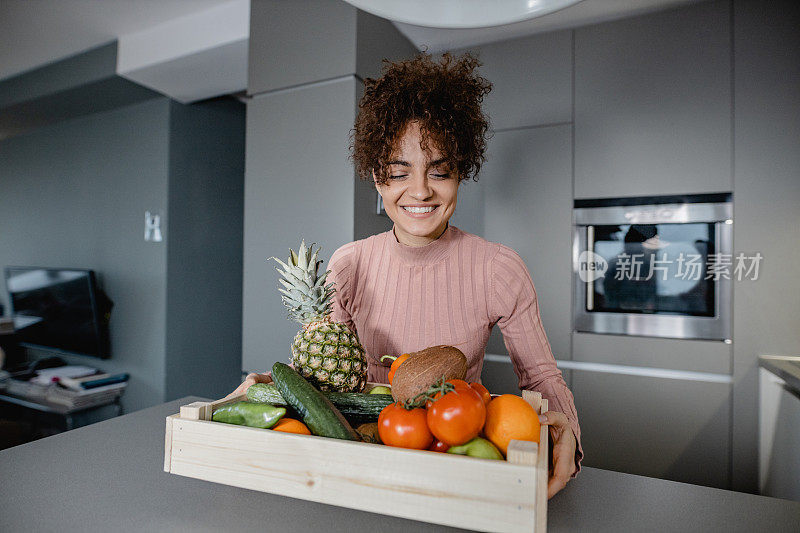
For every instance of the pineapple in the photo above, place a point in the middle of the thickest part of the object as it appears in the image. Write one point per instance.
(326, 353)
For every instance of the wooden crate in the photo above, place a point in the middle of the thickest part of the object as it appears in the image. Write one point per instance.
(453, 490)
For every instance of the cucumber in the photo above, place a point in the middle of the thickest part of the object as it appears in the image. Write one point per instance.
(318, 413)
(265, 393)
(359, 407)
(356, 407)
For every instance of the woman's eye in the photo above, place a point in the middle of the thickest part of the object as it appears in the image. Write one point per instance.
(440, 176)
(398, 176)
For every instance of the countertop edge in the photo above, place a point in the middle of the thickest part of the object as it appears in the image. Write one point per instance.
(786, 368)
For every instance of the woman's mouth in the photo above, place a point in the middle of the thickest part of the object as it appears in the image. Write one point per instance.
(419, 211)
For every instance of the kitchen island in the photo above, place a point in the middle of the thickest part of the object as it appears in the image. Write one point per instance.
(109, 477)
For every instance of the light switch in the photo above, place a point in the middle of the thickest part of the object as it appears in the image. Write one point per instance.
(152, 227)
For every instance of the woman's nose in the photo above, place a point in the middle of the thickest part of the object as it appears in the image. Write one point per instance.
(420, 189)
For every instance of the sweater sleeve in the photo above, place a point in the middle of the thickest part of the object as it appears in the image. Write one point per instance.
(342, 272)
(515, 308)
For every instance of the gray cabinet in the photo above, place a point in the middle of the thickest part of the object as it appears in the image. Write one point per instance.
(298, 184)
(653, 104)
(535, 87)
(767, 195)
(528, 206)
(293, 43)
(306, 61)
(499, 377)
(658, 427)
(673, 354)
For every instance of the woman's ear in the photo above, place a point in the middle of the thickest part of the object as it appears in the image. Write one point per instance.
(375, 181)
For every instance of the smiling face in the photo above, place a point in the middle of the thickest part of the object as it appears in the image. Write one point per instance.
(421, 191)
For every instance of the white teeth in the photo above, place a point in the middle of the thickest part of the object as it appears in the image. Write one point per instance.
(419, 209)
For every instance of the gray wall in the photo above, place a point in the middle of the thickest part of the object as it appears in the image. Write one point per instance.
(74, 195)
(204, 249)
(79, 85)
(306, 67)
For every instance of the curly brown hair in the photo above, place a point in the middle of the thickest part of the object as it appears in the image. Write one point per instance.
(445, 97)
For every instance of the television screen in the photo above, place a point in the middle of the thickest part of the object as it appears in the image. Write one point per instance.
(59, 309)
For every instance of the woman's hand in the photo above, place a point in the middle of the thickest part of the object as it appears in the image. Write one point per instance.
(563, 450)
(251, 379)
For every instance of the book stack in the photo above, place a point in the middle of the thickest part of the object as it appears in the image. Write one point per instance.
(92, 381)
(81, 393)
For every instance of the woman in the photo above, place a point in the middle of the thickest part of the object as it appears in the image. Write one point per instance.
(419, 133)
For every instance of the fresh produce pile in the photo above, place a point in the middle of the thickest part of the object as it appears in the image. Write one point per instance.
(430, 407)
(435, 409)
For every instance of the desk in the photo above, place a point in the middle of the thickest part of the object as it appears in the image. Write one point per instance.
(109, 477)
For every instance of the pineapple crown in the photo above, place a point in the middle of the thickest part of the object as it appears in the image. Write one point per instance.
(304, 291)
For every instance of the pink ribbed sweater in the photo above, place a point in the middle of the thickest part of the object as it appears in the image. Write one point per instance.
(401, 299)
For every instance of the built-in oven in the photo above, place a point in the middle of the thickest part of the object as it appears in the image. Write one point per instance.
(653, 266)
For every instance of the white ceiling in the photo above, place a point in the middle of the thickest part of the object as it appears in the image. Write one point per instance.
(36, 32)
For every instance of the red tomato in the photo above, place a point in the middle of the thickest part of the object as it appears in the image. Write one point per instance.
(457, 383)
(483, 391)
(457, 417)
(404, 428)
(439, 446)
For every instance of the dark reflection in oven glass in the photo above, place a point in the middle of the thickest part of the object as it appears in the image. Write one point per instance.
(654, 268)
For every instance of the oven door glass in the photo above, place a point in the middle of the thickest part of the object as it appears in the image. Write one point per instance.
(653, 269)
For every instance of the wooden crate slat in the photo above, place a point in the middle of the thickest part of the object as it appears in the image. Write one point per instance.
(194, 411)
(522, 452)
(542, 473)
(450, 490)
(168, 442)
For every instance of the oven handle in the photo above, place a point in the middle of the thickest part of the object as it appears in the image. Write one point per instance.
(590, 282)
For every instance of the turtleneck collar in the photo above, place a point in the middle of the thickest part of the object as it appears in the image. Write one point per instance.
(424, 255)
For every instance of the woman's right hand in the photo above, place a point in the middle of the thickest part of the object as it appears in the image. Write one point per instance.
(251, 379)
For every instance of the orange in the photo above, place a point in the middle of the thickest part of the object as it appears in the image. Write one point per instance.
(290, 425)
(510, 417)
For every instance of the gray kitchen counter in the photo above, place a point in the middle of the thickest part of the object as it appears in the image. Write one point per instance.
(786, 367)
(109, 477)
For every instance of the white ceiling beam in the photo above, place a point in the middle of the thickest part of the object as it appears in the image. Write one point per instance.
(194, 57)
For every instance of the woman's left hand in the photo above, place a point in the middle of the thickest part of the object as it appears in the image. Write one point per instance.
(563, 450)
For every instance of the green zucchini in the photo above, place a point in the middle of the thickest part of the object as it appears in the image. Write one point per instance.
(356, 407)
(318, 413)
